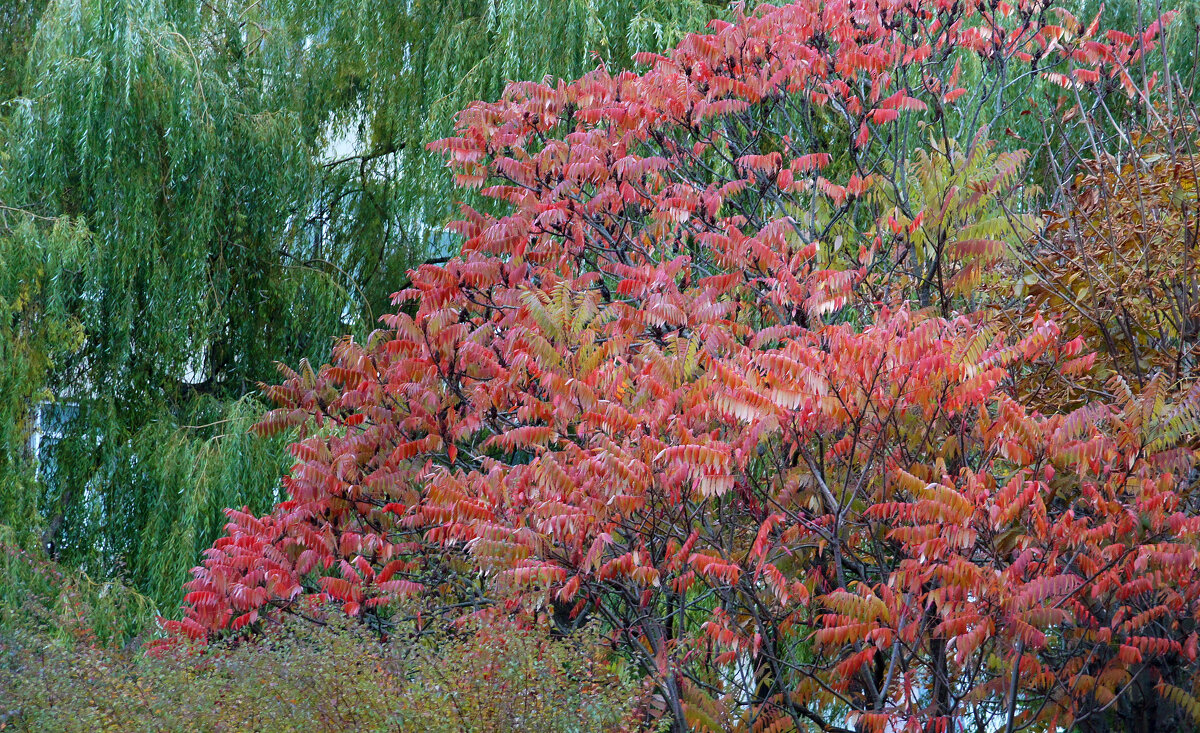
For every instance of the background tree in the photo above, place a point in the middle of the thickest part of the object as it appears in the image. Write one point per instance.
(203, 189)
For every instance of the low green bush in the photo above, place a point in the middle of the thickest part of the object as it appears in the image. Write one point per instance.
(302, 677)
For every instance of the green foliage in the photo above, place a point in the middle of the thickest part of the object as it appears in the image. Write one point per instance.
(41, 600)
(37, 331)
(17, 20)
(953, 213)
(186, 475)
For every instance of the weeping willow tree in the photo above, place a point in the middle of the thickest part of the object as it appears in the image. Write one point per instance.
(36, 330)
(17, 20)
(184, 177)
(193, 191)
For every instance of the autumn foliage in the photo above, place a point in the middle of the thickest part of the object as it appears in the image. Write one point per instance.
(733, 368)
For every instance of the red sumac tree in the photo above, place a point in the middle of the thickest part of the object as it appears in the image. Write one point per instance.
(704, 373)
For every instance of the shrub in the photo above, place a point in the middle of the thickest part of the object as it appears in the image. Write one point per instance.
(317, 678)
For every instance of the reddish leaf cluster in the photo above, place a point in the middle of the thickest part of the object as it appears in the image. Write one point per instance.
(656, 389)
